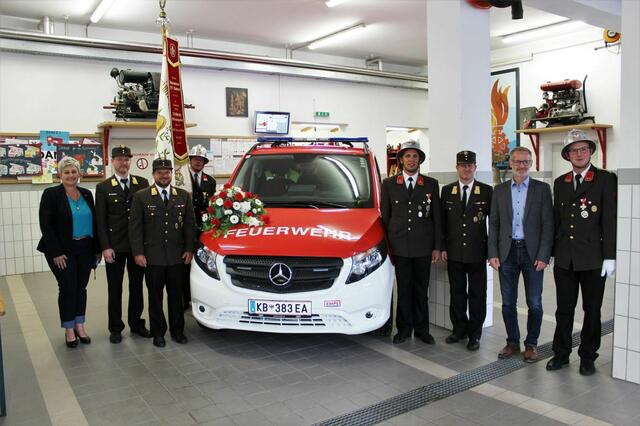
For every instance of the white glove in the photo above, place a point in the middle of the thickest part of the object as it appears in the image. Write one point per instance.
(608, 267)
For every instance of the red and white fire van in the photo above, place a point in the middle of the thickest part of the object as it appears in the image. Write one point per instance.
(320, 264)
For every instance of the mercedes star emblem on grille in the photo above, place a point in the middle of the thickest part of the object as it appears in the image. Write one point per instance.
(280, 274)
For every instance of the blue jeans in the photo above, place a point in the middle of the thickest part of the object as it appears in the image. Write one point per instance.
(518, 261)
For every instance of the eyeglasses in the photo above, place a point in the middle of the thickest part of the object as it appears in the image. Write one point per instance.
(521, 162)
(581, 150)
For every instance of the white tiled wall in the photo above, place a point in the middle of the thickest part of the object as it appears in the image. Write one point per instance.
(440, 299)
(626, 334)
(20, 233)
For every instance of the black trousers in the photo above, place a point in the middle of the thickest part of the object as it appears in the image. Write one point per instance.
(157, 278)
(568, 282)
(115, 275)
(467, 283)
(412, 277)
(186, 286)
(72, 282)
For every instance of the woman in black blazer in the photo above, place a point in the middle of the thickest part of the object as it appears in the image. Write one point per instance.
(70, 247)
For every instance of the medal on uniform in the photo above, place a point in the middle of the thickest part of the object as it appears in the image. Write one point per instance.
(584, 214)
(475, 218)
(419, 214)
(480, 215)
(594, 209)
(583, 204)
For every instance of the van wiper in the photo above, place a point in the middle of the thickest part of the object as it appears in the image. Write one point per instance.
(301, 203)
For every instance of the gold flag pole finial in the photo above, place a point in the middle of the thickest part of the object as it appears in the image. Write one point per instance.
(162, 17)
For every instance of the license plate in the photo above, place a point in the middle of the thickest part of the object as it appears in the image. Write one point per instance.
(280, 307)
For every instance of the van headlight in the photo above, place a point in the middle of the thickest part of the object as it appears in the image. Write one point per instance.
(206, 259)
(366, 262)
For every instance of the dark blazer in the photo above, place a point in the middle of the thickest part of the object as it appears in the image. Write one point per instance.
(201, 195)
(465, 229)
(584, 240)
(162, 233)
(537, 221)
(413, 224)
(112, 212)
(56, 222)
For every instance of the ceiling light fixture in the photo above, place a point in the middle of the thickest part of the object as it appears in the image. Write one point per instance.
(306, 126)
(544, 31)
(333, 37)
(332, 3)
(102, 8)
(400, 129)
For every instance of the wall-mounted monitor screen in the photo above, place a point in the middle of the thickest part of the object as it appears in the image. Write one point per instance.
(271, 122)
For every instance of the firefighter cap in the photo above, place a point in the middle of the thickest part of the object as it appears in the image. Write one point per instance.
(411, 145)
(121, 150)
(199, 151)
(161, 163)
(576, 135)
(466, 157)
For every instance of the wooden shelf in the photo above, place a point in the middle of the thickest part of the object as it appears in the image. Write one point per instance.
(534, 137)
(134, 125)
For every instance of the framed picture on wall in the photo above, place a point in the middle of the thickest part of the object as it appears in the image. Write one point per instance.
(89, 155)
(505, 107)
(237, 102)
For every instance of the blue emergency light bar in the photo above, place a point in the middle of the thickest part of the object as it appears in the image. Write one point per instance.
(278, 141)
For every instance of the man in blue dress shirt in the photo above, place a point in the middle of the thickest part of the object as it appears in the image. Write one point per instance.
(520, 241)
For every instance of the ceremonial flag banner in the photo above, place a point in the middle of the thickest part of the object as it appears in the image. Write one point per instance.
(171, 138)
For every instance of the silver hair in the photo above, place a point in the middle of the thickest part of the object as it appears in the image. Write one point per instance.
(521, 149)
(66, 162)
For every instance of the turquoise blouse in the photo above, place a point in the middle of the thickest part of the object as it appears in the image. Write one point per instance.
(82, 218)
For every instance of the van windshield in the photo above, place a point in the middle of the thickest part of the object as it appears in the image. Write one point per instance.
(312, 180)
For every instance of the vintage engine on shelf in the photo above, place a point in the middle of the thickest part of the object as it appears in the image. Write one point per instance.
(564, 102)
(137, 96)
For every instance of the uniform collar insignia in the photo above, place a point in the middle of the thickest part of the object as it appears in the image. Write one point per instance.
(569, 177)
(154, 191)
(476, 189)
(400, 179)
(134, 180)
(173, 191)
(589, 176)
(420, 181)
(454, 190)
(203, 177)
(114, 182)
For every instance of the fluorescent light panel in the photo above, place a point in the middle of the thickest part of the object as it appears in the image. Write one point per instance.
(337, 36)
(333, 3)
(102, 8)
(546, 31)
(399, 129)
(318, 125)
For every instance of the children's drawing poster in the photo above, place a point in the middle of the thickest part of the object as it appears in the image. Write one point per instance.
(50, 140)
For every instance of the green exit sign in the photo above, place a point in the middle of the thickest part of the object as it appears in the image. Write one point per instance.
(322, 113)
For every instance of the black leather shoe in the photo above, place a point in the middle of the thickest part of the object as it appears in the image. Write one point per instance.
(85, 340)
(556, 363)
(454, 338)
(473, 344)
(587, 368)
(427, 338)
(179, 338)
(399, 338)
(115, 337)
(142, 332)
(159, 342)
(71, 343)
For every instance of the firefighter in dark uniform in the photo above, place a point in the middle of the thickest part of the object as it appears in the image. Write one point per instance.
(411, 215)
(585, 248)
(162, 231)
(113, 204)
(465, 209)
(203, 187)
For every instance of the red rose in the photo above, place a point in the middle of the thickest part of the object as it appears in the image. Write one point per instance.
(248, 194)
(249, 214)
(215, 222)
(210, 209)
(222, 194)
(227, 204)
(227, 185)
(238, 196)
(265, 219)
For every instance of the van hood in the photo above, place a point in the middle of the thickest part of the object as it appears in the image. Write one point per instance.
(303, 232)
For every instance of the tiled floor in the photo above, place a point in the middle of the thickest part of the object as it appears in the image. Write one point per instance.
(243, 378)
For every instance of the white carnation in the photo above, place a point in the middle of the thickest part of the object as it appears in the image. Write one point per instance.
(254, 211)
(258, 203)
(219, 202)
(236, 205)
(234, 219)
(205, 217)
(228, 212)
(253, 221)
(245, 206)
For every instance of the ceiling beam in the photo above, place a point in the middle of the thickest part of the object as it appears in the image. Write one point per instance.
(599, 13)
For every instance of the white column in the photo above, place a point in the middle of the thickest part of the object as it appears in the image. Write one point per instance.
(626, 335)
(459, 113)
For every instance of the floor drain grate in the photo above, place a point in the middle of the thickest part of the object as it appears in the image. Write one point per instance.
(433, 392)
